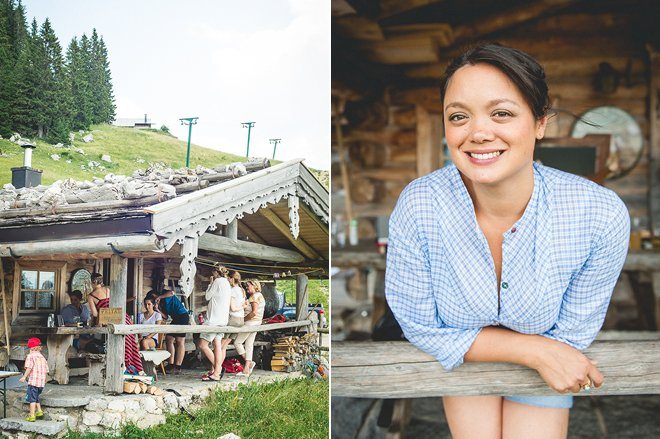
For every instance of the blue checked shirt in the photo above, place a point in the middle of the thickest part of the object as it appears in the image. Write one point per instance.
(560, 262)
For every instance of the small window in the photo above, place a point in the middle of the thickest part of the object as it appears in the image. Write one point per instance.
(37, 290)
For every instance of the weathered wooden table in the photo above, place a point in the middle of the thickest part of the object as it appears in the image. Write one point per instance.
(58, 341)
(3, 376)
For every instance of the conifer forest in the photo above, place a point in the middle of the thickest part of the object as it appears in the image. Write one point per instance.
(45, 92)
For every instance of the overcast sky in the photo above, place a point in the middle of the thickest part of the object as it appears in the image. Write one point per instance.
(224, 61)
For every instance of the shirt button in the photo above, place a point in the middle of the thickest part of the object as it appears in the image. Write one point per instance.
(505, 285)
(513, 230)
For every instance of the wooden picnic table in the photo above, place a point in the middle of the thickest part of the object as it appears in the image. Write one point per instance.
(58, 341)
(3, 376)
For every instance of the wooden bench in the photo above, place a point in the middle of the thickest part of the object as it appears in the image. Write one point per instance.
(96, 368)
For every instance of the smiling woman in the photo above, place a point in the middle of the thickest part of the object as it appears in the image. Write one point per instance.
(510, 261)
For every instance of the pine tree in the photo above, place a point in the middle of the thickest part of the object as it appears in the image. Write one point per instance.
(6, 66)
(57, 117)
(78, 60)
(103, 105)
(27, 102)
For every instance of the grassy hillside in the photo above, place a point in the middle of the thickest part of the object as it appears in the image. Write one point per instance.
(129, 149)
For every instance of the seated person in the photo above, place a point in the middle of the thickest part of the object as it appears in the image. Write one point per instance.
(149, 317)
(75, 311)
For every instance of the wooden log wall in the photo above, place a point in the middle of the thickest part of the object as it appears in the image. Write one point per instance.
(383, 148)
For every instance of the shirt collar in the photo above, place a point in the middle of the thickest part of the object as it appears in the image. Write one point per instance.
(465, 201)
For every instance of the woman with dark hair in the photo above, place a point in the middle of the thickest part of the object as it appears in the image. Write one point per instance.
(98, 299)
(496, 258)
(149, 317)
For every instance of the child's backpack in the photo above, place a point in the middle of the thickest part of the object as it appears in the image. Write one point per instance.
(232, 365)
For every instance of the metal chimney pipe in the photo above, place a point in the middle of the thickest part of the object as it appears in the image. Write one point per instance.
(27, 157)
(145, 117)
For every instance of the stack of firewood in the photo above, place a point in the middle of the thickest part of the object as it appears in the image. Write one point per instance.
(137, 387)
(291, 353)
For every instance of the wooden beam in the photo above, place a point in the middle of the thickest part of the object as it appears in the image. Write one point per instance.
(389, 8)
(227, 246)
(100, 244)
(503, 20)
(247, 231)
(280, 225)
(654, 144)
(356, 27)
(115, 365)
(302, 297)
(400, 370)
(429, 141)
(201, 329)
(232, 230)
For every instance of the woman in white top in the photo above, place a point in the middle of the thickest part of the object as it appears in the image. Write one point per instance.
(252, 318)
(218, 294)
(149, 317)
(238, 303)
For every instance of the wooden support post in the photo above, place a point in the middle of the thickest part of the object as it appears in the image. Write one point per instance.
(58, 364)
(232, 230)
(429, 141)
(114, 382)
(302, 297)
(654, 145)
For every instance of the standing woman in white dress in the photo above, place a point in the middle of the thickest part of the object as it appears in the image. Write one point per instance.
(495, 258)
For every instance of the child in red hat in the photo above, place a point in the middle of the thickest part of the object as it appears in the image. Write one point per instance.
(36, 369)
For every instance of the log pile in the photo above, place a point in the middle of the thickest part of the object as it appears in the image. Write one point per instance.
(292, 352)
(140, 387)
(154, 184)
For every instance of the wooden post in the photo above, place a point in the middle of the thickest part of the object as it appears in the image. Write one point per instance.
(232, 230)
(302, 297)
(429, 141)
(654, 146)
(115, 366)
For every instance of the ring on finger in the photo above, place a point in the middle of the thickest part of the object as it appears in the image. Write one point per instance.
(587, 386)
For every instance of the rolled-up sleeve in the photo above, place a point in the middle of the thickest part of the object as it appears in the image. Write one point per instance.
(587, 297)
(408, 285)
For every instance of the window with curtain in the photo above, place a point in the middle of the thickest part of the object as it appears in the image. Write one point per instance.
(37, 290)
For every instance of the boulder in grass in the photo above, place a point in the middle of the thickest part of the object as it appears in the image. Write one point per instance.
(106, 158)
(72, 137)
(229, 436)
(88, 138)
(55, 157)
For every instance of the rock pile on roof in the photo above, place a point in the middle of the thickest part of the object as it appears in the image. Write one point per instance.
(156, 181)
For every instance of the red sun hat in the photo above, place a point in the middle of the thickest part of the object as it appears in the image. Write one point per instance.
(34, 342)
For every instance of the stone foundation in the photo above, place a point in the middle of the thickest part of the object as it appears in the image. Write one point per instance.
(88, 409)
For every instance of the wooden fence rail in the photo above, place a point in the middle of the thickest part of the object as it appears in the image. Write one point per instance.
(201, 329)
(400, 370)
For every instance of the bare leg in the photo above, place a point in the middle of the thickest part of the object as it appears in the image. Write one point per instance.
(180, 350)
(33, 406)
(527, 421)
(223, 345)
(478, 417)
(204, 347)
(218, 358)
(169, 340)
(38, 407)
(146, 344)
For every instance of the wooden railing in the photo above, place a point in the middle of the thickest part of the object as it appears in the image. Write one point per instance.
(630, 363)
(114, 378)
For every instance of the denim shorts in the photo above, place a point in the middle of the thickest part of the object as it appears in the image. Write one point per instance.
(33, 393)
(552, 402)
